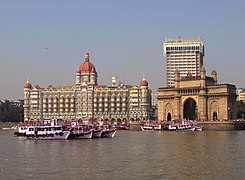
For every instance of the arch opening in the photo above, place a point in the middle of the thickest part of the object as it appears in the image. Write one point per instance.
(215, 116)
(169, 117)
(190, 109)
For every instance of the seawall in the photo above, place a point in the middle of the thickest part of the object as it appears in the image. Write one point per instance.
(135, 126)
(222, 125)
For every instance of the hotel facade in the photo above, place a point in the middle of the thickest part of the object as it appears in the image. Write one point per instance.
(88, 99)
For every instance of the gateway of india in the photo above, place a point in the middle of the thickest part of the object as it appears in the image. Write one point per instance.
(190, 94)
(88, 99)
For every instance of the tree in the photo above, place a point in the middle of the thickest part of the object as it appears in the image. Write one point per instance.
(15, 114)
(240, 109)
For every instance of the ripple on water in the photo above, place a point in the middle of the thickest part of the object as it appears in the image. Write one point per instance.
(130, 155)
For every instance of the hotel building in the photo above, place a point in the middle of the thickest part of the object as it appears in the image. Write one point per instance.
(241, 94)
(88, 99)
(184, 54)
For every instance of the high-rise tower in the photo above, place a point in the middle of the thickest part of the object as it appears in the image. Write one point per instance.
(184, 54)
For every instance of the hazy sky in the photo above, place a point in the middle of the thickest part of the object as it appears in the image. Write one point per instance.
(124, 39)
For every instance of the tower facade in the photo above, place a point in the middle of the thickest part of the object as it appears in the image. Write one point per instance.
(184, 54)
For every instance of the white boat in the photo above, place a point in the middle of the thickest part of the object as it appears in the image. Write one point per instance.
(121, 126)
(147, 128)
(9, 128)
(23, 127)
(80, 132)
(47, 132)
(197, 128)
(97, 133)
(171, 128)
(157, 127)
(151, 127)
(108, 133)
(181, 127)
(21, 131)
(107, 130)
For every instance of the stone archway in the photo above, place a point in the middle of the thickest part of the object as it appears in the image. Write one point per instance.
(214, 110)
(119, 120)
(113, 120)
(168, 112)
(190, 109)
(169, 117)
(215, 116)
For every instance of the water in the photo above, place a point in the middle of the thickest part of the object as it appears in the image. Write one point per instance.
(129, 155)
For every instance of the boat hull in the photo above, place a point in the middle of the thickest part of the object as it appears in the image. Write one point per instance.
(49, 136)
(97, 133)
(84, 135)
(108, 133)
(146, 128)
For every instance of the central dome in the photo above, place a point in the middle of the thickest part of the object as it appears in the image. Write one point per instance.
(27, 85)
(87, 66)
(143, 83)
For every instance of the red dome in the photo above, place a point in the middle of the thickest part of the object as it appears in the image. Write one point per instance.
(143, 83)
(27, 85)
(87, 66)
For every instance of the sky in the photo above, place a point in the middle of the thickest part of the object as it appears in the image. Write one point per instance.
(45, 41)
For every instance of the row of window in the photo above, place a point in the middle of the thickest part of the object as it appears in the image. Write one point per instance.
(190, 65)
(183, 48)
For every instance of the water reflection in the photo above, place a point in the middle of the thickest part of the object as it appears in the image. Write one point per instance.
(130, 155)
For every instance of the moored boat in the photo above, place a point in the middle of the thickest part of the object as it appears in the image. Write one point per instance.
(147, 128)
(108, 133)
(80, 132)
(97, 133)
(9, 128)
(184, 126)
(47, 133)
(151, 127)
(181, 128)
(21, 131)
(121, 126)
(157, 127)
(197, 128)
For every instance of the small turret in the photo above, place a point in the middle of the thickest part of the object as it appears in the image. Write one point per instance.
(214, 76)
(27, 91)
(176, 78)
(203, 77)
(78, 77)
(203, 72)
(87, 56)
